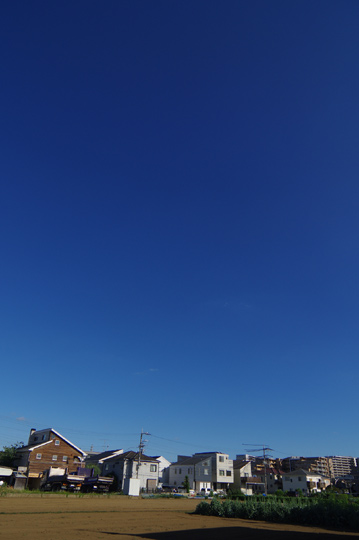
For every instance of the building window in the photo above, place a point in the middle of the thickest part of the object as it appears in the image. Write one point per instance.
(35, 438)
(205, 464)
(206, 471)
(299, 478)
(179, 471)
(106, 467)
(221, 459)
(153, 468)
(228, 473)
(43, 437)
(221, 472)
(64, 458)
(38, 456)
(57, 442)
(190, 471)
(54, 458)
(175, 471)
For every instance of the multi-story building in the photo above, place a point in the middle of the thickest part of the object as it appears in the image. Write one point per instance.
(317, 465)
(307, 482)
(243, 478)
(163, 470)
(46, 448)
(207, 470)
(128, 466)
(340, 466)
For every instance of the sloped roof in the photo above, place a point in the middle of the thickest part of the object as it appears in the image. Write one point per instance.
(31, 447)
(240, 463)
(102, 456)
(207, 453)
(304, 472)
(129, 455)
(191, 461)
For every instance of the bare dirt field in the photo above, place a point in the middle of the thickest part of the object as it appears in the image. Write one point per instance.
(56, 517)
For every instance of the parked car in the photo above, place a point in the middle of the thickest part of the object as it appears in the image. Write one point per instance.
(206, 492)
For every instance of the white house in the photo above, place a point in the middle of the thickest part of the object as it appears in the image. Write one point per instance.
(163, 470)
(242, 476)
(307, 481)
(207, 470)
(132, 466)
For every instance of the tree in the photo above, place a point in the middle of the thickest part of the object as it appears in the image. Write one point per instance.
(186, 484)
(8, 454)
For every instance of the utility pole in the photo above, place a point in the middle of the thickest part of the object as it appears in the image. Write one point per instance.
(262, 448)
(140, 448)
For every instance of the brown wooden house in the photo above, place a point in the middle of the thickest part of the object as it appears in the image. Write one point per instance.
(47, 448)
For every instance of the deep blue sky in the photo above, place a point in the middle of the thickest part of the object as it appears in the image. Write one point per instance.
(179, 224)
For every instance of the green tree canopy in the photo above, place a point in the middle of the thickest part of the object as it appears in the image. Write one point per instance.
(8, 453)
(186, 484)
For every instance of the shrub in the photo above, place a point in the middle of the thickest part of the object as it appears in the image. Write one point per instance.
(337, 513)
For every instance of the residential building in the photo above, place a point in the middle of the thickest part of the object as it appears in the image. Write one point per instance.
(318, 465)
(46, 448)
(163, 470)
(306, 481)
(341, 466)
(289, 463)
(242, 477)
(96, 458)
(126, 466)
(270, 477)
(245, 457)
(207, 470)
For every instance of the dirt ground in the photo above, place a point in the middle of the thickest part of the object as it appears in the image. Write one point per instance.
(56, 517)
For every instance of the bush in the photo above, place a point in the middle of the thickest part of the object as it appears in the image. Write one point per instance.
(337, 513)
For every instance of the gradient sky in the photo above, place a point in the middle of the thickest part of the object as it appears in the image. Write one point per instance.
(179, 224)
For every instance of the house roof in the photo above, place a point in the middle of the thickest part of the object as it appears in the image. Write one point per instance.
(191, 460)
(162, 459)
(206, 453)
(304, 472)
(129, 455)
(106, 455)
(240, 463)
(272, 470)
(31, 447)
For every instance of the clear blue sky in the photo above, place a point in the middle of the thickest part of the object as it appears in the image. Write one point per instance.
(179, 224)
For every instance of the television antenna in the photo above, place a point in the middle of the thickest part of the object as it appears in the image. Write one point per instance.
(265, 449)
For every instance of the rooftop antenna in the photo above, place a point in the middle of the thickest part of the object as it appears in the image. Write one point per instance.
(261, 448)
